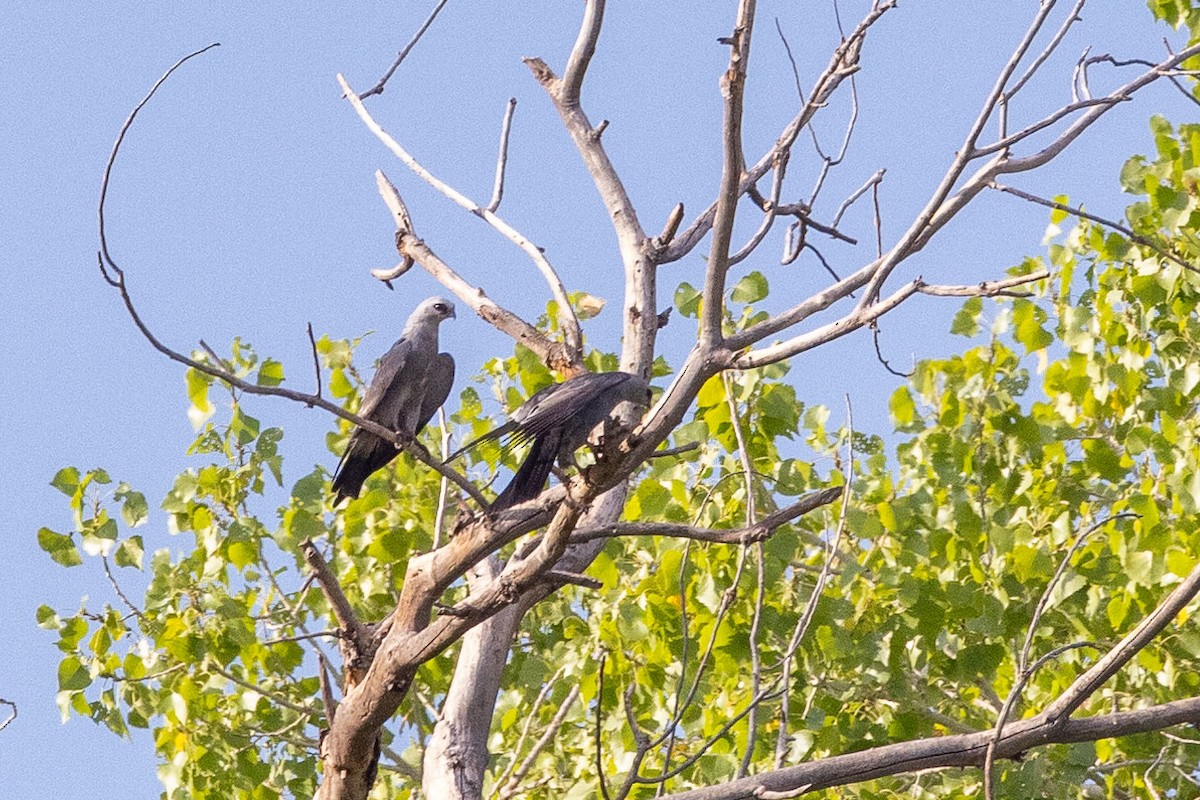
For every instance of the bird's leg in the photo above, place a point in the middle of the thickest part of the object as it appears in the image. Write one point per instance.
(404, 440)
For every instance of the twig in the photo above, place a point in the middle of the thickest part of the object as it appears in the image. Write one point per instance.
(1046, 122)
(1055, 41)
(810, 607)
(751, 520)
(333, 634)
(12, 715)
(1014, 695)
(502, 780)
(439, 516)
(316, 360)
(560, 716)
(879, 353)
(403, 54)
(137, 612)
(600, 723)
(115, 277)
(1040, 609)
(757, 532)
(668, 452)
(274, 697)
(772, 210)
(1077, 212)
(857, 193)
(327, 700)
(502, 156)
(107, 263)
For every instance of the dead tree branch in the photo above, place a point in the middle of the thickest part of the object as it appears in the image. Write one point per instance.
(566, 313)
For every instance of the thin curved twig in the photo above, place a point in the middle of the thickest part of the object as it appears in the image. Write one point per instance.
(115, 277)
(403, 54)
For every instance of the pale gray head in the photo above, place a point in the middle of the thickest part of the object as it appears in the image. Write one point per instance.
(429, 313)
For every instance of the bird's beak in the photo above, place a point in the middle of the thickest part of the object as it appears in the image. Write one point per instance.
(453, 313)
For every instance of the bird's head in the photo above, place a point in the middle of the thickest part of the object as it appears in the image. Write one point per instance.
(433, 309)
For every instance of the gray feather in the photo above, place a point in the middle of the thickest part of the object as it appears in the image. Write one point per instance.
(558, 420)
(412, 381)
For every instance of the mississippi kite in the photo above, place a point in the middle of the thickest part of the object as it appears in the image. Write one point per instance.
(557, 421)
(412, 381)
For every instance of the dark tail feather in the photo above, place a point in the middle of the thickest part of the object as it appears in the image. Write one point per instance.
(530, 478)
(365, 454)
(503, 430)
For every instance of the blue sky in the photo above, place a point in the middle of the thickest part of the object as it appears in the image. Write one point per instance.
(244, 204)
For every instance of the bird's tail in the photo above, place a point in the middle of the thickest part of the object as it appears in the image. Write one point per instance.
(529, 479)
(363, 456)
(492, 435)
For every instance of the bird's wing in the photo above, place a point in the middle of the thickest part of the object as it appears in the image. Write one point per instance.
(384, 388)
(439, 378)
(589, 397)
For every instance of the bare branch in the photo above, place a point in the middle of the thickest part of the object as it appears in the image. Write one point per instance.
(962, 750)
(107, 263)
(581, 53)
(1055, 41)
(752, 533)
(1086, 684)
(403, 54)
(1116, 226)
(502, 156)
(842, 65)
(331, 587)
(316, 360)
(826, 333)
(733, 86)
(986, 288)
(12, 715)
(511, 786)
(415, 250)
(772, 211)
(874, 180)
(1045, 122)
(567, 319)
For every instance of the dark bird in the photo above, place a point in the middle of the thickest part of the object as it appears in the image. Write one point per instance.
(412, 381)
(557, 421)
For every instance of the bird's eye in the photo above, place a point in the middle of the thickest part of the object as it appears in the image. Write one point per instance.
(440, 307)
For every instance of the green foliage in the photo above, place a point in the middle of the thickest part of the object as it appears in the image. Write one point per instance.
(1070, 411)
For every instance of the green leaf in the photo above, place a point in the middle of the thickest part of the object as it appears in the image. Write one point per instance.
(750, 289)
(966, 321)
(270, 373)
(129, 553)
(66, 480)
(687, 300)
(197, 391)
(134, 509)
(61, 547)
(72, 674)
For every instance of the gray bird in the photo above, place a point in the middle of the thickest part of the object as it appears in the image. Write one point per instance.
(412, 381)
(557, 421)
